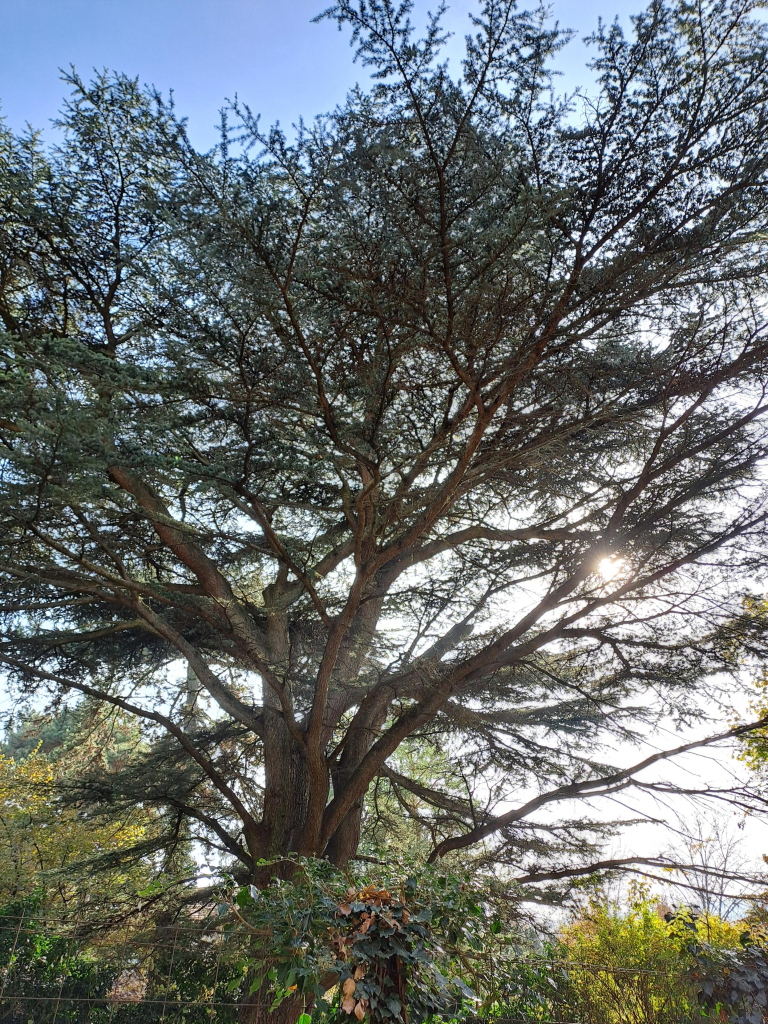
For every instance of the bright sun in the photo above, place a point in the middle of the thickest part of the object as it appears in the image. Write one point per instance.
(610, 567)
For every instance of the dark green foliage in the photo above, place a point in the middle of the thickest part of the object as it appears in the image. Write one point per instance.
(731, 984)
(53, 970)
(428, 936)
(45, 976)
(532, 990)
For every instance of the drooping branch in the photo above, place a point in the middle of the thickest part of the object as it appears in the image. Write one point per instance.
(605, 785)
(251, 827)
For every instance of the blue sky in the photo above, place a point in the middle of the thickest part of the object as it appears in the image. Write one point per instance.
(267, 51)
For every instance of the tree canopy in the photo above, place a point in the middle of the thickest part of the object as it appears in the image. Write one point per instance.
(412, 462)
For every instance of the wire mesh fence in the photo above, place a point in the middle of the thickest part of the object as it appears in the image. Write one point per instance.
(58, 972)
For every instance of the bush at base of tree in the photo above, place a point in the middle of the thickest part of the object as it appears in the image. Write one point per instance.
(392, 947)
(357, 946)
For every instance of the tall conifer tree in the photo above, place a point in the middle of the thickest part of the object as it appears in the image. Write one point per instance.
(440, 425)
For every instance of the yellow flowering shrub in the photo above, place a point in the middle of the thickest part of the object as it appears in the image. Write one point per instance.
(633, 965)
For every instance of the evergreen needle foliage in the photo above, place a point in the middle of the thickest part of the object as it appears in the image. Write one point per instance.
(394, 469)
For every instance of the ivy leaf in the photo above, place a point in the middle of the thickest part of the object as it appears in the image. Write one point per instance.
(348, 987)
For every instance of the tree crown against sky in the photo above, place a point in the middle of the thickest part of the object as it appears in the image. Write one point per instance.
(438, 429)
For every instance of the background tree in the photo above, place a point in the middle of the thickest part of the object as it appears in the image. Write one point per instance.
(714, 872)
(54, 833)
(441, 424)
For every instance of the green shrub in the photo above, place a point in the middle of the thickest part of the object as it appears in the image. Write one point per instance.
(353, 946)
(44, 974)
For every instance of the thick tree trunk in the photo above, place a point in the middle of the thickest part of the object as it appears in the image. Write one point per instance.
(286, 795)
(345, 841)
(286, 791)
(286, 776)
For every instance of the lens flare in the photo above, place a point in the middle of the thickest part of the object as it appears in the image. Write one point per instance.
(609, 568)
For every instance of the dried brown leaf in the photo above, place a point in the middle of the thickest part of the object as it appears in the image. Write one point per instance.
(348, 987)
